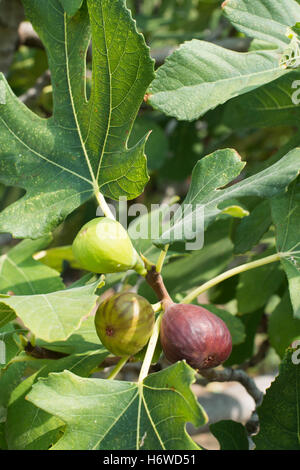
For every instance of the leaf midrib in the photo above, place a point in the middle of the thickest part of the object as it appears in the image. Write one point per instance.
(94, 181)
(110, 97)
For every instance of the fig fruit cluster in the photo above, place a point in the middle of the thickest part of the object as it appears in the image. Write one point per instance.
(103, 246)
(124, 323)
(193, 333)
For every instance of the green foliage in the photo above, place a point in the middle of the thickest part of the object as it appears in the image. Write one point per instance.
(279, 417)
(63, 161)
(256, 287)
(38, 429)
(244, 351)
(63, 310)
(202, 88)
(219, 169)
(263, 19)
(286, 217)
(283, 329)
(251, 229)
(71, 6)
(225, 92)
(22, 275)
(103, 410)
(231, 435)
(271, 105)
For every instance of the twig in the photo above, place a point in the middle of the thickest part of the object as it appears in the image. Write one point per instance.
(34, 92)
(237, 375)
(118, 367)
(258, 357)
(41, 353)
(234, 375)
(155, 281)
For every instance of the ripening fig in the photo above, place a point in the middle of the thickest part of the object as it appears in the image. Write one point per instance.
(124, 323)
(193, 333)
(103, 246)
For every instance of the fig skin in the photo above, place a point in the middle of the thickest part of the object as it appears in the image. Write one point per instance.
(193, 333)
(103, 246)
(124, 323)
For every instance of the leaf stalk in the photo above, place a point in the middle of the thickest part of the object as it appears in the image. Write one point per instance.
(118, 367)
(150, 350)
(230, 273)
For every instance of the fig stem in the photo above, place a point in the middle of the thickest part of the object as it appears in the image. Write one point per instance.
(155, 281)
(104, 206)
(150, 350)
(118, 367)
(161, 259)
(230, 273)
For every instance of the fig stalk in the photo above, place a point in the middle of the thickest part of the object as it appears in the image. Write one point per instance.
(155, 280)
(118, 367)
(150, 350)
(104, 206)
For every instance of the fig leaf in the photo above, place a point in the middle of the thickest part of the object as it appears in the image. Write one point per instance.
(62, 161)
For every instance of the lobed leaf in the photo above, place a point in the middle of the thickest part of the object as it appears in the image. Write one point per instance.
(97, 412)
(62, 161)
(38, 430)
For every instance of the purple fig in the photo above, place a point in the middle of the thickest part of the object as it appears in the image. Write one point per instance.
(193, 333)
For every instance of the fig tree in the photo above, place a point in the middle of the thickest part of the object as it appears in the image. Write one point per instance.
(103, 246)
(124, 323)
(193, 333)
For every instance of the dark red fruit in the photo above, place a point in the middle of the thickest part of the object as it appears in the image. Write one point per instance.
(193, 333)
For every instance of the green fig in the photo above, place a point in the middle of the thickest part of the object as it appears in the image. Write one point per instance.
(124, 323)
(103, 246)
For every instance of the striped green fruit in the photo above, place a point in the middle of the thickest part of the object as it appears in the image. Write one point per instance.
(103, 246)
(124, 323)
